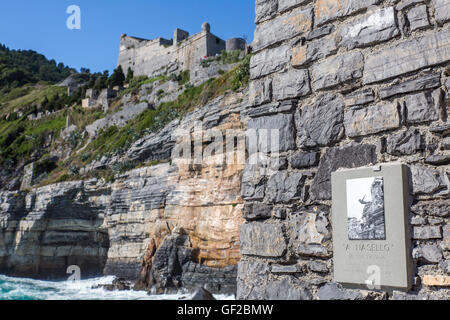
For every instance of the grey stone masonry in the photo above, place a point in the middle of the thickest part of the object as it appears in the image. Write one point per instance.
(370, 120)
(428, 81)
(336, 70)
(418, 18)
(321, 123)
(423, 107)
(262, 239)
(441, 10)
(291, 84)
(265, 9)
(403, 4)
(312, 51)
(293, 23)
(328, 10)
(372, 28)
(284, 5)
(365, 82)
(407, 56)
(269, 61)
(282, 123)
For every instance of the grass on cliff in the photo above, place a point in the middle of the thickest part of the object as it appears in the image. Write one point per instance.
(23, 140)
(117, 140)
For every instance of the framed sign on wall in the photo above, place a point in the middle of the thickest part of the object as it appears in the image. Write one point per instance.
(371, 232)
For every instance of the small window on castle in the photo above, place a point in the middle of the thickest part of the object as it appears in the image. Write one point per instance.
(217, 40)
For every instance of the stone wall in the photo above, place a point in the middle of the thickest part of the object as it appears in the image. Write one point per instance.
(155, 57)
(349, 83)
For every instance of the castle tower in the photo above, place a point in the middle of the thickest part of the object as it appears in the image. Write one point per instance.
(179, 35)
(206, 27)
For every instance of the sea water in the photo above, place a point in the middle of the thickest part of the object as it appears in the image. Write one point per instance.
(28, 289)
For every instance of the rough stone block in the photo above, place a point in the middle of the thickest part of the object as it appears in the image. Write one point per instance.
(277, 268)
(287, 289)
(370, 120)
(251, 280)
(436, 281)
(285, 5)
(328, 10)
(317, 266)
(265, 240)
(408, 56)
(428, 253)
(337, 70)
(418, 18)
(309, 227)
(429, 81)
(265, 9)
(423, 107)
(257, 211)
(335, 291)
(311, 250)
(282, 124)
(321, 123)
(418, 220)
(359, 97)
(437, 208)
(335, 158)
(270, 109)
(426, 181)
(445, 266)
(445, 244)
(253, 183)
(446, 143)
(405, 143)
(269, 61)
(319, 32)
(441, 10)
(406, 3)
(279, 213)
(260, 91)
(312, 51)
(284, 187)
(302, 160)
(291, 84)
(375, 27)
(438, 160)
(427, 232)
(286, 26)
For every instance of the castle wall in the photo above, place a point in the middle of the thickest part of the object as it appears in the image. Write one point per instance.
(347, 86)
(153, 57)
(145, 57)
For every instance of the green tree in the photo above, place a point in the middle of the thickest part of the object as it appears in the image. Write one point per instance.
(130, 75)
(117, 78)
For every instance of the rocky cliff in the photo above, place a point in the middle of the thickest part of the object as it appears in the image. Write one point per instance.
(165, 226)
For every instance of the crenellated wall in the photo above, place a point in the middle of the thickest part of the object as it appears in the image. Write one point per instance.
(349, 83)
(155, 57)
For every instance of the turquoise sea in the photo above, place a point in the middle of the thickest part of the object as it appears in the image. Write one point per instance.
(28, 289)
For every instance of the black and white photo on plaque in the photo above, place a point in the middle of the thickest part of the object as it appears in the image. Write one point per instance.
(365, 209)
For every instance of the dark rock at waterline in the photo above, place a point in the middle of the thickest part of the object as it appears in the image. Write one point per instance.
(118, 284)
(202, 294)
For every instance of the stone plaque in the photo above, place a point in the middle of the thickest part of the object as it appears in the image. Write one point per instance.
(371, 237)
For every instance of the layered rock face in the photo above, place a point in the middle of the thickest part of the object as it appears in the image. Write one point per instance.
(169, 225)
(349, 83)
(44, 232)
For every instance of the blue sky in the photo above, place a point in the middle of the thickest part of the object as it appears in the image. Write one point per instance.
(41, 25)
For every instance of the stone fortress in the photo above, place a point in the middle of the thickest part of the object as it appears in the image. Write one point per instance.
(182, 53)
